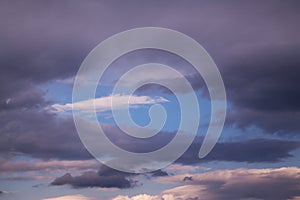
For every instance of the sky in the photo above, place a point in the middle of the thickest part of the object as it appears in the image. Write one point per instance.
(256, 47)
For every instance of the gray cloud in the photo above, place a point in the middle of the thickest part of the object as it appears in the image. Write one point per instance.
(258, 184)
(263, 88)
(36, 133)
(105, 178)
(51, 166)
(251, 151)
(255, 46)
(39, 134)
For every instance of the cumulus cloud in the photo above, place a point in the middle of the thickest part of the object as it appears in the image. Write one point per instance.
(105, 103)
(267, 184)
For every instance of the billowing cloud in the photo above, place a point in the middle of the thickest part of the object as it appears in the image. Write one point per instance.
(266, 184)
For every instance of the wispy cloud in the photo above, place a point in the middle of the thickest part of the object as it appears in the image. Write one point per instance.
(105, 103)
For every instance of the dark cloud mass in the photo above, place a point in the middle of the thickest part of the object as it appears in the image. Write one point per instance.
(255, 44)
(43, 135)
(263, 87)
(257, 150)
(105, 178)
(40, 134)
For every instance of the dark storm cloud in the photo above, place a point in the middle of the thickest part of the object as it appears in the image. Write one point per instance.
(39, 134)
(105, 178)
(258, 150)
(255, 150)
(263, 87)
(267, 79)
(43, 135)
(254, 45)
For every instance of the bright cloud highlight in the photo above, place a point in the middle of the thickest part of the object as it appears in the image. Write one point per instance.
(105, 103)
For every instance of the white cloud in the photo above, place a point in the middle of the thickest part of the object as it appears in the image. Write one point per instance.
(105, 103)
(137, 197)
(71, 197)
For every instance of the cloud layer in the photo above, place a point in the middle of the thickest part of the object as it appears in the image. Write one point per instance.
(258, 184)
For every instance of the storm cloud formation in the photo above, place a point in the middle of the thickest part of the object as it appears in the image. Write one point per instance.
(264, 88)
(35, 134)
(259, 64)
(251, 151)
(255, 44)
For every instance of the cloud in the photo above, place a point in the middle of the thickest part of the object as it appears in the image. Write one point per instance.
(180, 168)
(36, 133)
(252, 151)
(267, 184)
(71, 197)
(255, 150)
(255, 47)
(159, 173)
(105, 103)
(263, 88)
(259, 63)
(105, 178)
(50, 166)
(137, 197)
